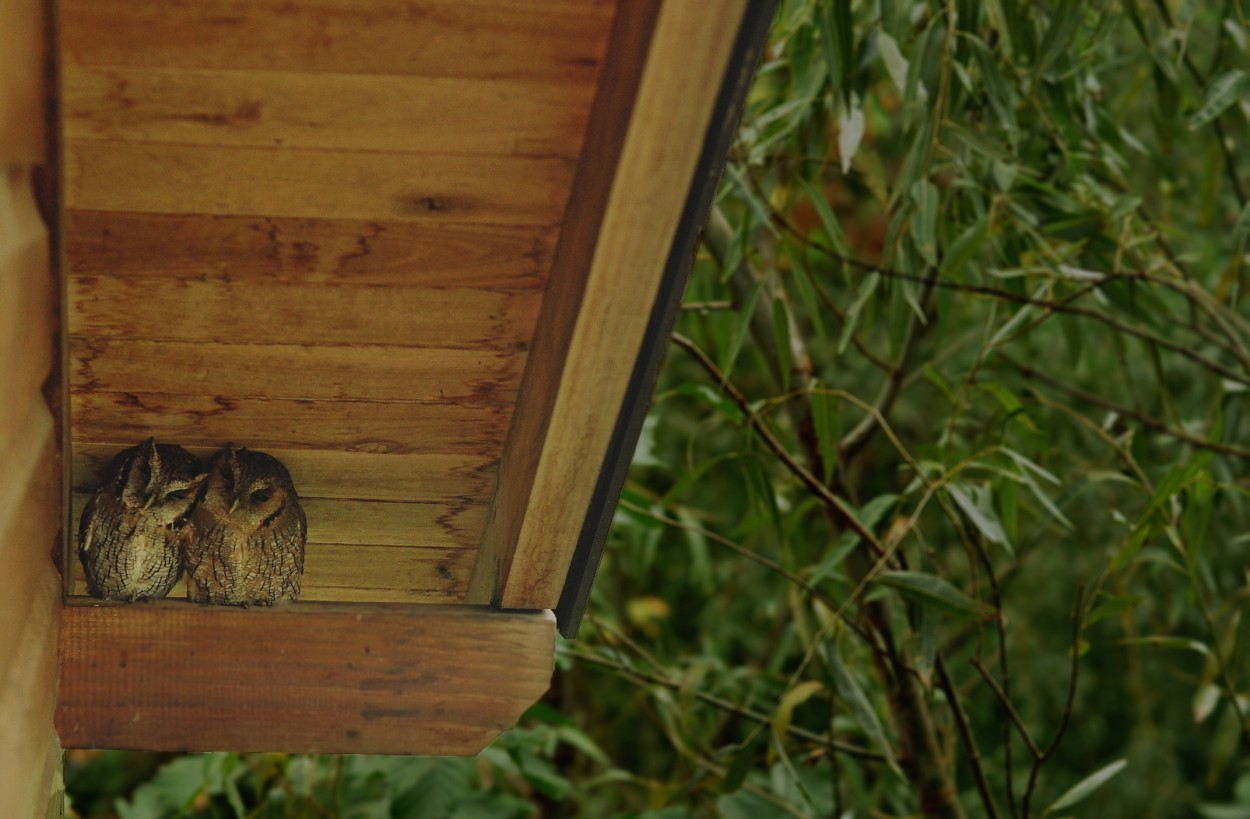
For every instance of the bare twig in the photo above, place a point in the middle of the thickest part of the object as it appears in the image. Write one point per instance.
(965, 734)
(1066, 716)
(722, 704)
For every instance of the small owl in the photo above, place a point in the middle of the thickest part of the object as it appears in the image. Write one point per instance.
(248, 533)
(132, 532)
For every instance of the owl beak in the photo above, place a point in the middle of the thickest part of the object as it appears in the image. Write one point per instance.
(151, 498)
(234, 505)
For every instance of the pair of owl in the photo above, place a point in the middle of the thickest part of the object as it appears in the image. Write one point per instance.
(235, 525)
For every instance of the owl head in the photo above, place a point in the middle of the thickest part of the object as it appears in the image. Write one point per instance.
(161, 480)
(249, 489)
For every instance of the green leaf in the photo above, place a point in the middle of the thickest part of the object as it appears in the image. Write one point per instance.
(781, 338)
(829, 220)
(790, 700)
(1222, 92)
(827, 420)
(924, 220)
(866, 290)
(961, 251)
(850, 692)
(1241, 230)
(974, 503)
(1063, 23)
(1169, 642)
(1086, 786)
(742, 326)
(931, 590)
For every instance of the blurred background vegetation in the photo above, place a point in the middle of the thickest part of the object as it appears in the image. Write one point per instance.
(941, 508)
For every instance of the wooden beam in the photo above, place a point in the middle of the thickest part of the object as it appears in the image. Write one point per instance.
(173, 676)
(641, 151)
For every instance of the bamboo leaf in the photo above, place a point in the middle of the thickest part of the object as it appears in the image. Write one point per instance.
(931, 590)
(793, 698)
(1086, 786)
(1224, 90)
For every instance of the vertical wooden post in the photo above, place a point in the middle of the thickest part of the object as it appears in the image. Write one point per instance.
(30, 481)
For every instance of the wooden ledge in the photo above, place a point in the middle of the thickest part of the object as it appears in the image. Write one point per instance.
(309, 677)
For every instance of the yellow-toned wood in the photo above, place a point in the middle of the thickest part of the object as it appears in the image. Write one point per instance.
(558, 40)
(360, 573)
(173, 676)
(421, 476)
(26, 301)
(382, 523)
(329, 251)
(351, 426)
(275, 313)
(23, 138)
(226, 180)
(598, 305)
(424, 115)
(295, 371)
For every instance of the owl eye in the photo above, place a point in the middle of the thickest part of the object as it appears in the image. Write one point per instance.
(260, 496)
(178, 494)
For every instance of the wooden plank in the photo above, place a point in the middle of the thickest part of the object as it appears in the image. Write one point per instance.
(421, 476)
(295, 371)
(353, 426)
(232, 181)
(551, 40)
(329, 251)
(605, 278)
(23, 135)
(27, 294)
(427, 115)
(327, 678)
(365, 573)
(263, 312)
(449, 524)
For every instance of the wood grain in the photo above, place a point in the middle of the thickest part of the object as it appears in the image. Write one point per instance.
(553, 40)
(307, 251)
(420, 476)
(425, 115)
(363, 573)
(23, 138)
(603, 285)
(232, 181)
(309, 677)
(351, 426)
(27, 306)
(419, 374)
(277, 313)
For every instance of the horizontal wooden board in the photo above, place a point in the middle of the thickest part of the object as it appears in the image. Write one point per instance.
(328, 251)
(443, 525)
(554, 40)
(362, 573)
(352, 426)
(422, 476)
(23, 136)
(428, 115)
(233, 181)
(309, 677)
(294, 371)
(263, 312)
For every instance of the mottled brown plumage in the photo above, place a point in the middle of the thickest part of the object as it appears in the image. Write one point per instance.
(132, 532)
(248, 533)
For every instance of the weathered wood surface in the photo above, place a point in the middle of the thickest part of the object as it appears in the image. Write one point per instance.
(172, 676)
(322, 229)
(30, 480)
(495, 116)
(275, 181)
(327, 251)
(603, 285)
(558, 41)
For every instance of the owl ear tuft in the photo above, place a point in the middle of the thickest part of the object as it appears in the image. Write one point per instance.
(152, 454)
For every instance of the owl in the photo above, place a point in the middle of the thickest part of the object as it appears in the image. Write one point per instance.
(132, 532)
(247, 533)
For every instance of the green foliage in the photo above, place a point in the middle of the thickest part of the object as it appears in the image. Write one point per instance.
(976, 278)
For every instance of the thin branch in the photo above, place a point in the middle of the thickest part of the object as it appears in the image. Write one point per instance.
(723, 704)
(1140, 418)
(815, 485)
(1067, 708)
(965, 734)
(1003, 698)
